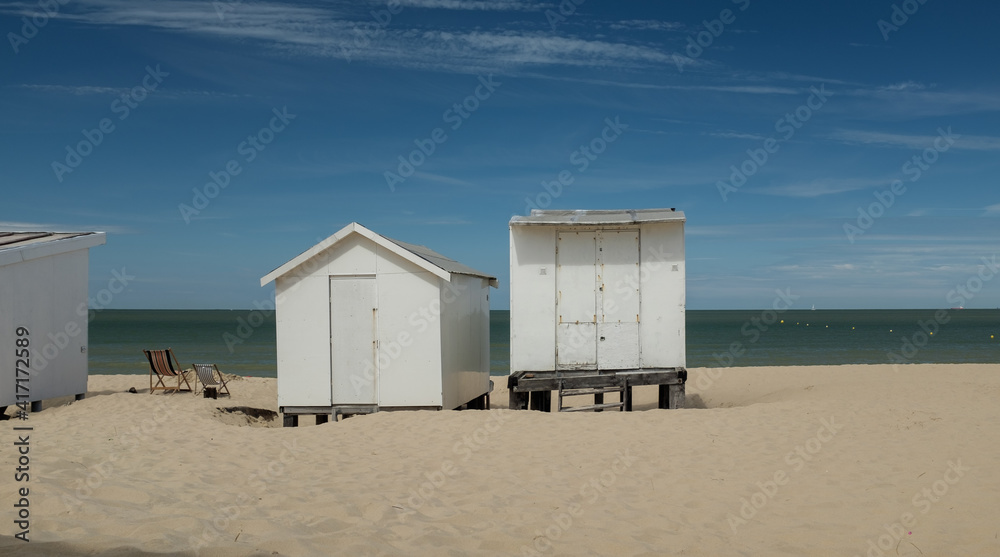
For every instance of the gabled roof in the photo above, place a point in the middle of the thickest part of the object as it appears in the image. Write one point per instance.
(624, 216)
(421, 256)
(16, 247)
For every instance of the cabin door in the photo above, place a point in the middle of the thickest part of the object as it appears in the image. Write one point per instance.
(597, 300)
(353, 346)
(618, 292)
(576, 300)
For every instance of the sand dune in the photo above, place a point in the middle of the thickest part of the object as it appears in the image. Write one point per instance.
(844, 460)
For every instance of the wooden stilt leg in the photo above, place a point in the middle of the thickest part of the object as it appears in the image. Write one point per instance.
(675, 399)
(518, 401)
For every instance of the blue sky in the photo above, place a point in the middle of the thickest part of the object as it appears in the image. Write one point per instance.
(118, 113)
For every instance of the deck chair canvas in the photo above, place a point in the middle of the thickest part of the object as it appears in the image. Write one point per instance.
(162, 364)
(210, 376)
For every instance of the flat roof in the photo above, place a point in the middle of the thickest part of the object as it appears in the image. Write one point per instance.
(16, 247)
(598, 217)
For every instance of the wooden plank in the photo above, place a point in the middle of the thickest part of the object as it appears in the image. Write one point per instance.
(589, 391)
(552, 383)
(594, 407)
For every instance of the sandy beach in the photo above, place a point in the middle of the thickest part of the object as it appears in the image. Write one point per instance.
(839, 460)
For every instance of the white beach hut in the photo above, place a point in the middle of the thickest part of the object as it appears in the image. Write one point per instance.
(43, 315)
(597, 305)
(368, 323)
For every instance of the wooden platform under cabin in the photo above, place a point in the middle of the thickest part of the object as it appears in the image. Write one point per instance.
(533, 389)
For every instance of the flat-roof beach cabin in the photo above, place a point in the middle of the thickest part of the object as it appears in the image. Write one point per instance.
(596, 305)
(43, 315)
(368, 323)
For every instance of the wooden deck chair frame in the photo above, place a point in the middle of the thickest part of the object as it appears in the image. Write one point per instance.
(210, 376)
(163, 364)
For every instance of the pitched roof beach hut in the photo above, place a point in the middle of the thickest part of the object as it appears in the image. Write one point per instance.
(596, 305)
(368, 323)
(43, 304)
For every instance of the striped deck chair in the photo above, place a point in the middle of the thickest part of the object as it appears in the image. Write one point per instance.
(162, 365)
(210, 376)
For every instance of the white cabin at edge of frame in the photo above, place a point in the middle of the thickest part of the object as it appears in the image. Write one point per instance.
(43, 304)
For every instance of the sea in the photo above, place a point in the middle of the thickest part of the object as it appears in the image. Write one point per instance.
(243, 341)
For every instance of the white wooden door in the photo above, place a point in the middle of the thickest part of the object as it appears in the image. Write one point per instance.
(353, 347)
(618, 291)
(576, 300)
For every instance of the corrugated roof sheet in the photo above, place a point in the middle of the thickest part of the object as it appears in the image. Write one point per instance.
(22, 246)
(436, 258)
(598, 217)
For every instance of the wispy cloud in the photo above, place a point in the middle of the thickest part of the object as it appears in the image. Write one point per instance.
(905, 86)
(647, 25)
(78, 90)
(496, 5)
(970, 142)
(737, 89)
(735, 135)
(818, 188)
(85, 90)
(336, 30)
(912, 100)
